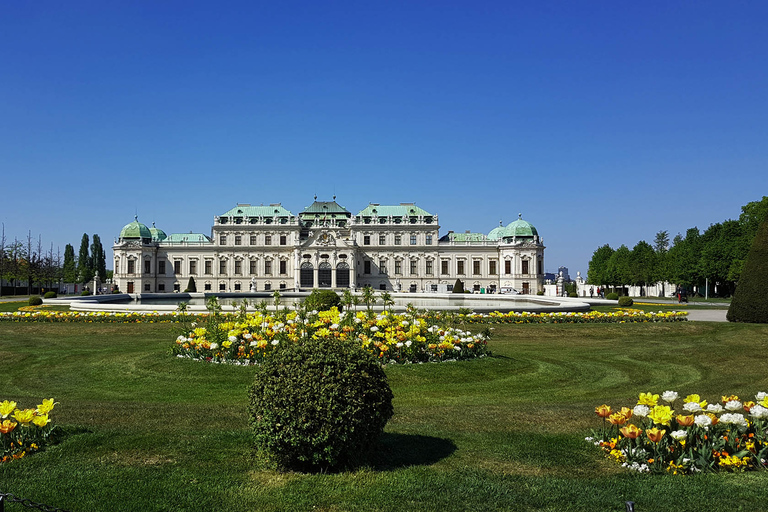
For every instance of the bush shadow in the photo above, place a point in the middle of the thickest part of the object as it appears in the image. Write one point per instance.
(396, 451)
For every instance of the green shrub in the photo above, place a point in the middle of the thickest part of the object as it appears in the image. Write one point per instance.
(625, 302)
(612, 296)
(323, 300)
(540, 292)
(573, 294)
(85, 292)
(191, 286)
(50, 295)
(458, 287)
(319, 405)
(35, 300)
(749, 302)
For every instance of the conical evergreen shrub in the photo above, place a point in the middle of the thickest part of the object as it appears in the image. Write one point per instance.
(191, 286)
(750, 300)
(458, 287)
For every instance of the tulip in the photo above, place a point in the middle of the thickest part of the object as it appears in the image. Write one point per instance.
(24, 416)
(748, 405)
(41, 420)
(685, 421)
(46, 406)
(617, 419)
(7, 426)
(603, 410)
(648, 399)
(631, 431)
(627, 412)
(661, 414)
(7, 408)
(655, 434)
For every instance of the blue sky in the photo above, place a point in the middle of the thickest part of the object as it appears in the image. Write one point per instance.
(601, 122)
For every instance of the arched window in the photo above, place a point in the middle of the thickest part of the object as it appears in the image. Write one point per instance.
(324, 275)
(307, 275)
(342, 275)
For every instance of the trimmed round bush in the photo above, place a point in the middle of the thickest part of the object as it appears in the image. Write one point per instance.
(323, 300)
(612, 296)
(50, 295)
(319, 405)
(85, 292)
(35, 300)
(573, 294)
(625, 302)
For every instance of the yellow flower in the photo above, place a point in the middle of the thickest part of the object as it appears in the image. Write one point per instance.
(7, 426)
(692, 398)
(661, 414)
(631, 431)
(25, 416)
(648, 399)
(603, 410)
(46, 406)
(685, 421)
(7, 408)
(41, 420)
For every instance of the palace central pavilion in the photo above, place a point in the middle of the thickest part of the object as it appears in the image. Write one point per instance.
(396, 248)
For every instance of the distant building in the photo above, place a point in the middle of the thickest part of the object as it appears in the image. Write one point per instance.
(394, 248)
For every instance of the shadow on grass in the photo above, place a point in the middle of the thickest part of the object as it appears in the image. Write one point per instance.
(403, 450)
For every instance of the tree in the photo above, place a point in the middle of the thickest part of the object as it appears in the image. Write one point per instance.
(84, 266)
(191, 286)
(69, 270)
(750, 302)
(684, 258)
(2, 259)
(642, 266)
(98, 258)
(661, 242)
(458, 287)
(597, 272)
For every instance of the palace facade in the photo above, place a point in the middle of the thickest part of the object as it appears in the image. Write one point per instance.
(262, 248)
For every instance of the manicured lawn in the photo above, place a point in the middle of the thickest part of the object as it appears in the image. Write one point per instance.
(147, 431)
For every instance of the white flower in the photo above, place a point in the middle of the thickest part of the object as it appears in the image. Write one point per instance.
(214, 346)
(761, 396)
(374, 329)
(679, 434)
(703, 420)
(641, 410)
(733, 405)
(733, 419)
(275, 342)
(181, 338)
(253, 343)
(399, 344)
(408, 343)
(759, 412)
(404, 323)
(669, 396)
(692, 407)
(334, 327)
(194, 324)
(232, 339)
(716, 408)
(357, 320)
(247, 335)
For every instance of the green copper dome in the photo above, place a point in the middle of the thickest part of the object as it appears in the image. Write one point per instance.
(519, 229)
(158, 235)
(496, 232)
(135, 230)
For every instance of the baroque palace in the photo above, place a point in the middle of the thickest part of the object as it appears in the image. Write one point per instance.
(262, 248)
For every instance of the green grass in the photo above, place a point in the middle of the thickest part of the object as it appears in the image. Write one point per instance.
(147, 431)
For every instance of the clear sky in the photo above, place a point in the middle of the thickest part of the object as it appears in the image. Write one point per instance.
(601, 122)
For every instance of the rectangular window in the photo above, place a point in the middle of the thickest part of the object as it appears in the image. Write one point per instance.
(413, 239)
(268, 268)
(541, 267)
(476, 267)
(252, 267)
(253, 240)
(267, 287)
(237, 287)
(283, 267)
(223, 267)
(382, 266)
(460, 267)
(398, 240)
(268, 240)
(283, 240)
(525, 266)
(209, 267)
(161, 267)
(282, 286)
(366, 267)
(207, 287)
(398, 267)
(367, 240)
(492, 267)
(413, 267)
(238, 267)
(429, 267)
(161, 287)
(507, 267)
(146, 287)
(429, 239)
(444, 267)
(222, 287)
(147, 266)
(382, 239)
(238, 240)
(177, 267)
(223, 240)
(193, 268)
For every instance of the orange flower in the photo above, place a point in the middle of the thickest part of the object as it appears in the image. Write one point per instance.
(7, 426)
(603, 411)
(617, 419)
(685, 421)
(715, 419)
(631, 431)
(727, 399)
(655, 434)
(626, 412)
(748, 405)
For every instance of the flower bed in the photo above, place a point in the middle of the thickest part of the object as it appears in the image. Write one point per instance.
(590, 317)
(393, 338)
(24, 431)
(728, 436)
